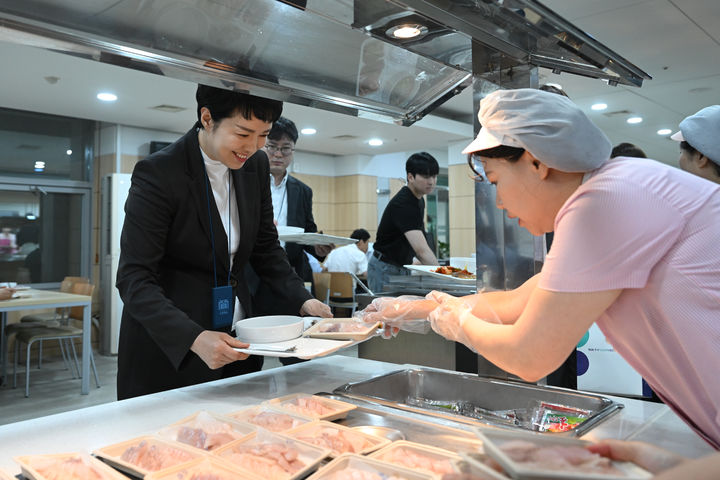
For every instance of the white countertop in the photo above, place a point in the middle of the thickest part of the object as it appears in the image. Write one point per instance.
(94, 427)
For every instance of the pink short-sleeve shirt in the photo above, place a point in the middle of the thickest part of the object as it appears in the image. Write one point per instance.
(653, 231)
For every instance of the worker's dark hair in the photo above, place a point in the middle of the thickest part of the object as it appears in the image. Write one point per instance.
(360, 234)
(283, 127)
(627, 150)
(553, 89)
(226, 103)
(690, 150)
(511, 154)
(422, 163)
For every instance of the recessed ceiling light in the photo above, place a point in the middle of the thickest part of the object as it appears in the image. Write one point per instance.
(664, 131)
(106, 97)
(599, 106)
(375, 142)
(308, 131)
(69, 152)
(30, 216)
(407, 31)
(39, 164)
(634, 120)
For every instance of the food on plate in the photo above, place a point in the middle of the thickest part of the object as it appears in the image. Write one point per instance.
(205, 431)
(154, 457)
(273, 421)
(308, 406)
(269, 460)
(68, 468)
(454, 272)
(338, 440)
(341, 327)
(411, 458)
(558, 458)
(358, 474)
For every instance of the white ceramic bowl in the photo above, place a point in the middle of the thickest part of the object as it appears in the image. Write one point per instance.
(269, 329)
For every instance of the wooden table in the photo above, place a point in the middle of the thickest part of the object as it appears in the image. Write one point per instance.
(33, 299)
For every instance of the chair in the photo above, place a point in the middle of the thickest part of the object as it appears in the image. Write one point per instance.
(63, 333)
(342, 291)
(321, 282)
(49, 319)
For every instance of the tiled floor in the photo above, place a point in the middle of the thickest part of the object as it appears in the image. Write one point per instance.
(53, 390)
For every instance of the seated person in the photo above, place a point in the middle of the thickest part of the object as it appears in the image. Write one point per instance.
(350, 258)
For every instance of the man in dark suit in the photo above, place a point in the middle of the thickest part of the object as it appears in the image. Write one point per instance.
(197, 212)
(292, 206)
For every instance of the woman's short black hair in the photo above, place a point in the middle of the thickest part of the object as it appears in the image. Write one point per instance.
(690, 150)
(283, 127)
(422, 163)
(511, 154)
(226, 103)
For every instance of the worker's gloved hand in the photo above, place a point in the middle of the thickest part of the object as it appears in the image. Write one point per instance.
(407, 313)
(452, 313)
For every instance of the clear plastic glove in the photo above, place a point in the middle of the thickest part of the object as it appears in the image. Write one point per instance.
(452, 313)
(407, 313)
(651, 458)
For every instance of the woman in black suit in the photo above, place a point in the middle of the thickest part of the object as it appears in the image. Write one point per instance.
(197, 212)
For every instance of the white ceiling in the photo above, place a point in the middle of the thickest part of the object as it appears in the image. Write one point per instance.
(676, 41)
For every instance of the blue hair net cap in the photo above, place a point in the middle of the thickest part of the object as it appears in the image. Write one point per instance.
(549, 126)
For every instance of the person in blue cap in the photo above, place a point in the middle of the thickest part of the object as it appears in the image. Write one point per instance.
(699, 138)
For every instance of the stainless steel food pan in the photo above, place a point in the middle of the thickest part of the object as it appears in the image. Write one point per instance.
(415, 389)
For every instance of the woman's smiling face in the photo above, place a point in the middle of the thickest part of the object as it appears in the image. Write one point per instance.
(519, 188)
(234, 139)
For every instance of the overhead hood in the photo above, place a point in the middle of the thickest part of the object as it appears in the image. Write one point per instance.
(338, 55)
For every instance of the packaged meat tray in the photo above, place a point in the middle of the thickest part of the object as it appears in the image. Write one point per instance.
(273, 456)
(356, 467)
(476, 466)
(342, 329)
(203, 468)
(537, 456)
(144, 455)
(275, 420)
(67, 466)
(313, 406)
(206, 431)
(415, 456)
(339, 439)
(6, 476)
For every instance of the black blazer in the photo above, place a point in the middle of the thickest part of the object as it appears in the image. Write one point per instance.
(165, 274)
(300, 215)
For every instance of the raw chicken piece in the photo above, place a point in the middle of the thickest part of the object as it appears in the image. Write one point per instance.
(269, 460)
(339, 441)
(466, 476)
(275, 422)
(344, 327)
(207, 440)
(408, 457)
(560, 458)
(154, 457)
(69, 469)
(309, 407)
(358, 474)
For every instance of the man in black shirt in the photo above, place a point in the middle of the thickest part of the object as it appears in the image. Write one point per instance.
(401, 233)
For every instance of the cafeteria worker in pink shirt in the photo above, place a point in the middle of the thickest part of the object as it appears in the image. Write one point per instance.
(636, 249)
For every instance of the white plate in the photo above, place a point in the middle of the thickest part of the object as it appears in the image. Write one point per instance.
(316, 239)
(287, 230)
(269, 329)
(305, 347)
(428, 270)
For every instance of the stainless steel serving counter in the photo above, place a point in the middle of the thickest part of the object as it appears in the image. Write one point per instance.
(90, 428)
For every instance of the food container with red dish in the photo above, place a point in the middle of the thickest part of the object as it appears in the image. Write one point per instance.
(313, 406)
(536, 456)
(65, 465)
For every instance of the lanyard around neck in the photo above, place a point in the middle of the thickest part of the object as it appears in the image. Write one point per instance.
(229, 232)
